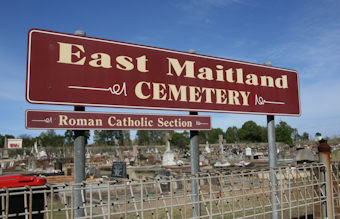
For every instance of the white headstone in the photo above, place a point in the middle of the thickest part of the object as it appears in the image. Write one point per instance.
(134, 151)
(168, 156)
(207, 149)
(248, 151)
(220, 142)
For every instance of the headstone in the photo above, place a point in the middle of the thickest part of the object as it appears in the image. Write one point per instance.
(131, 173)
(248, 151)
(42, 155)
(207, 149)
(202, 159)
(151, 159)
(32, 165)
(45, 164)
(92, 172)
(168, 157)
(5, 152)
(222, 160)
(134, 151)
(119, 154)
(58, 165)
(305, 155)
(178, 184)
(158, 156)
(165, 180)
(67, 153)
(88, 154)
(220, 143)
(36, 147)
(119, 170)
(69, 171)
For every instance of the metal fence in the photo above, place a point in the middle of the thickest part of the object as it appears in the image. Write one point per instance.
(336, 187)
(222, 194)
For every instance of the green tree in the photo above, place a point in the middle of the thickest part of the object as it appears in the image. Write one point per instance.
(231, 134)
(69, 137)
(264, 134)
(213, 135)
(143, 137)
(203, 136)
(157, 137)
(104, 137)
(305, 136)
(295, 135)
(284, 133)
(180, 140)
(250, 131)
(118, 137)
(126, 137)
(50, 138)
(111, 137)
(27, 140)
(2, 139)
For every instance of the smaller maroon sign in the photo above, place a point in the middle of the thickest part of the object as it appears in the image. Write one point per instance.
(38, 119)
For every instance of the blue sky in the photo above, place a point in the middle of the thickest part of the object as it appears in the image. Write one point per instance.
(302, 35)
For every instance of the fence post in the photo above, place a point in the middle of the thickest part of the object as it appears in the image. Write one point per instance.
(325, 158)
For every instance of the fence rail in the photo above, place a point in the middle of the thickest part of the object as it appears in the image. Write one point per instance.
(233, 194)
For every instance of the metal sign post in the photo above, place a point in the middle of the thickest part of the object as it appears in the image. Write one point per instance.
(79, 159)
(272, 162)
(195, 168)
(79, 166)
(194, 163)
(272, 165)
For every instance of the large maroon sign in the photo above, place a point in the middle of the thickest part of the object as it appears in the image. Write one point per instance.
(74, 70)
(40, 119)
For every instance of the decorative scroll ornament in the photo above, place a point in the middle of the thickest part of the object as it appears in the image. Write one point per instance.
(47, 120)
(260, 101)
(201, 123)
(116, 89)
